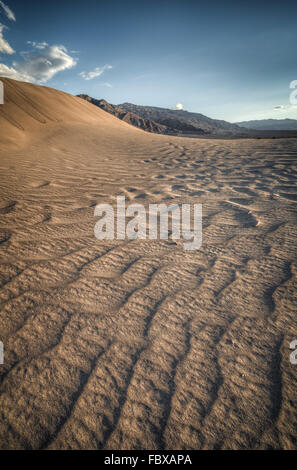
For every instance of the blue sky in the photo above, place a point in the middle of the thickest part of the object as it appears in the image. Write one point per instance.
(227, 59)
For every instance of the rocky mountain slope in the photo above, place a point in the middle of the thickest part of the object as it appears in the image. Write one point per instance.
(129, 117)
(166, 121)
(183, 121)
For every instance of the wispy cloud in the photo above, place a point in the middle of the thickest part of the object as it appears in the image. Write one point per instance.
(38, 45)
(5, 47)
(41, 66)
(9, 13)
(97, 72)
(285, 106)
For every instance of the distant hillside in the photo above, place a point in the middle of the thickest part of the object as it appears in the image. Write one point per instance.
(166, 121)
(183, 121)
(270, 124)
(129, 117)
(179, 122)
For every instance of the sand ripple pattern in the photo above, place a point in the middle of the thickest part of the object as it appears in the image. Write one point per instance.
(141, 345)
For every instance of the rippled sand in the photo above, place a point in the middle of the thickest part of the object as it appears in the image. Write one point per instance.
(140, 344)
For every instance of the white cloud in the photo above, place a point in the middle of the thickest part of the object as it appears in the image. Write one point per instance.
(97, 72)
(5, 48)
(10, 72)
(10, 15)
(40, 67)
(178, 106)
(38, 45)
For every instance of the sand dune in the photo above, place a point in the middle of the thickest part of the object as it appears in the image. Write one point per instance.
(140, 344)
(31, 110)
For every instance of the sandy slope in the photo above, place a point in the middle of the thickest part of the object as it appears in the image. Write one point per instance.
(141, 345)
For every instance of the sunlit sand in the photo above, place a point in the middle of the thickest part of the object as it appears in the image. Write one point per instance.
(140, 344)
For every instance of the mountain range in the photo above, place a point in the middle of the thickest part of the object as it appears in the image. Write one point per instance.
(270, 124)
(166, 121)
(184, 123)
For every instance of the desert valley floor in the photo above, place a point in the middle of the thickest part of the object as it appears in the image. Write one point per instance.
(139, 344)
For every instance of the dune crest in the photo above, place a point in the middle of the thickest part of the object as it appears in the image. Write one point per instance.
(32, 110)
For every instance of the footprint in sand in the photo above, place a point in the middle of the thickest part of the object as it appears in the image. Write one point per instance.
(7, 208)
(40, 184)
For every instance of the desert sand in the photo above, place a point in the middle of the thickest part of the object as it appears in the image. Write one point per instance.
(139, 344)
